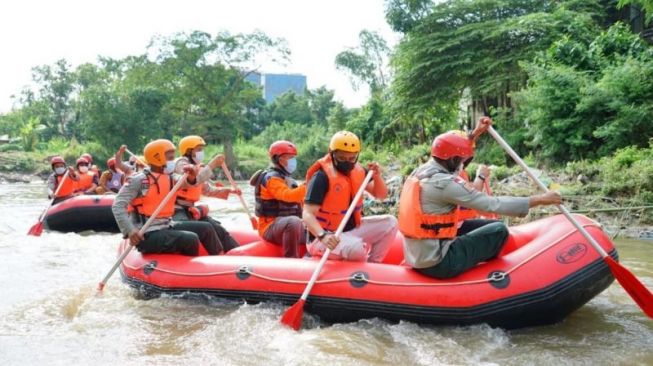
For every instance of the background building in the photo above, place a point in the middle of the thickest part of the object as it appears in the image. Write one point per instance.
(274, 85)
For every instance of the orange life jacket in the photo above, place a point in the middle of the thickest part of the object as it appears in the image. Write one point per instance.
(416, 224)
(85, 181)
(68, 186)
(341, 191)
(190, 195)
(154, 189)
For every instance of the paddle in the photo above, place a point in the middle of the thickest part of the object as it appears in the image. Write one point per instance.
(252, 219)
(135, 157)
(37, 228)
(149, 221)
(293, 316)
(628, 281)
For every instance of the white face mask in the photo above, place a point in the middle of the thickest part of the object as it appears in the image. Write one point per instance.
(59, 170)
(170, 167)
(83, 169)
(199, 157)
(291, 165)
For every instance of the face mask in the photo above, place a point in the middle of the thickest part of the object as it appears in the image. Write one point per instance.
(199, 157)
(344, 167)
(59, 171)
(291, 165)
(83, 169)
(170, 167)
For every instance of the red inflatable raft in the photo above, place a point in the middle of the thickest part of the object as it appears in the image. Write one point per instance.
(545, 272)
(81, 213)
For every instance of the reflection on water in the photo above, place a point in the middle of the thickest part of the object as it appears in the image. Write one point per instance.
(49, 314)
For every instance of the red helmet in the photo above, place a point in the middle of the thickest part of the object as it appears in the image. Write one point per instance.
(82, 161)
(282, 147)
(57, 160)
(88, 157)
(452, 144)
(111, 162)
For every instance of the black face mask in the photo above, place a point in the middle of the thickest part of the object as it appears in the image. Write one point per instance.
(344, 167)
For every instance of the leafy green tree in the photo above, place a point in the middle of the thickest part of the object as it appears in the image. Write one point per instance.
(366, 64)
(290, 107)
(56, 86)
(646, 5)
(404, 15)
(478, 44)
(338, 116)
(320, 102)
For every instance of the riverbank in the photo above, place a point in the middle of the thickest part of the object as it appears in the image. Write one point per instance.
(583, 184)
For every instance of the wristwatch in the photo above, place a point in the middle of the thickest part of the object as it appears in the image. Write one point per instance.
(321, 235)
(481, 177)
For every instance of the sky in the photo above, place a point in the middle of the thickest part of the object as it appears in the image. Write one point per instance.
(35, 33)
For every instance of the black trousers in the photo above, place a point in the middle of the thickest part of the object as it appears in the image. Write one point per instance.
(226, 240)
(182, 238)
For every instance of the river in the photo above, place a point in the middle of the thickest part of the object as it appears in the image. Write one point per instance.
(49, 315)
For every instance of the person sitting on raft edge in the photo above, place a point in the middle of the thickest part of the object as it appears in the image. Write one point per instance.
(279, 200)
(59, 169)
(141, 195)
(332, 183)
(429, 206)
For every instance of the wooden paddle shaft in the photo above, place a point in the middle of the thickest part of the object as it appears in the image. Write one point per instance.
(562, 208)
(227, 173)
(149, 222)
(135, 157)
(339, 231)
(54, 195)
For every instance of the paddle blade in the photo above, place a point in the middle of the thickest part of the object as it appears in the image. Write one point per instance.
(254, 222)
(634, 287)
(293, 316)
(36, 230)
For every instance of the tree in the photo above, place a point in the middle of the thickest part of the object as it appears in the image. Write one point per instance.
(205, 75)
(56, 87)
(646, 5)
(588, 99)
(320, 102)
(404, 15)
(290, 107)
(478, 44)
(366, 64)
(338, 116)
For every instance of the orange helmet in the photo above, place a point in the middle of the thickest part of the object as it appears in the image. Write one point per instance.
(82, 160)
(88, 157)
(57, 160)
(282, 147)
(155, 152)
(190, 142)
(452, 144)
(345, 141)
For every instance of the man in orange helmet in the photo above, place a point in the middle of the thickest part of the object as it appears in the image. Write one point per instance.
(141, 195)
(88, 181)
(429, 211)
(186, 207)
(333, 181)
(279, 200)
(59, 177)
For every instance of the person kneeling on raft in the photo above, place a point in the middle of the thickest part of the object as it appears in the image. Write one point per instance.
(186, 208)
(429, 211)
(332, 183)
(141, 195)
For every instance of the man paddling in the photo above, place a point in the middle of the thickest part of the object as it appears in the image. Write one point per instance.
(429, 207)
(332, 183)
(141, 195)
